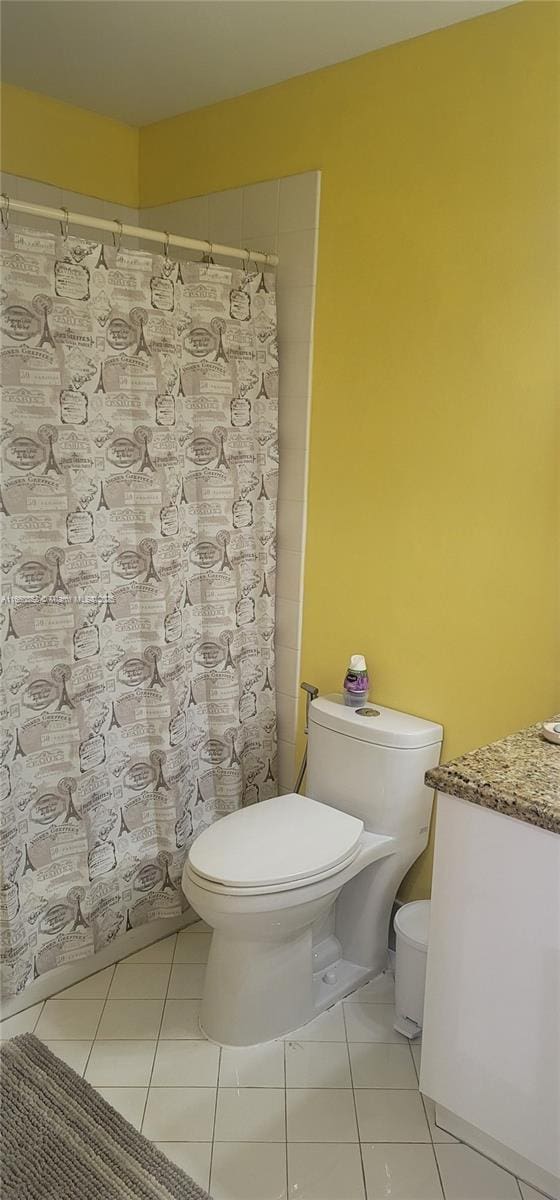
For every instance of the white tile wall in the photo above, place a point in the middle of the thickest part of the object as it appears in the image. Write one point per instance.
(18, 188)
(282, 215)
(187, 217)
(260, 208)
(225, 217)
(288, 575)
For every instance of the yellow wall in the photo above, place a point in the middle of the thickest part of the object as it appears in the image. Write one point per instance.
(432, 538)
(69, 147)
(432, 533)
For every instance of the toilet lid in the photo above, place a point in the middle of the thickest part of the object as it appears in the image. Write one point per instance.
(283, 839)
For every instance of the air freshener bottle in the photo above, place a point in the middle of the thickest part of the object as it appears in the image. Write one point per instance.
(356, 682)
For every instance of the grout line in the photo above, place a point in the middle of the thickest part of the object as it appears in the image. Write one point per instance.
(157, 1041)
(103, 1007)
(355, 1104)
(38, 1018)
(272, 1087)
(284, 1043)
(215, 1115)
(414, 1065)
(432, 1143)
(437, 1169)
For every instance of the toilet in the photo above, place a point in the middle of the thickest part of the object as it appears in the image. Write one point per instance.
(299, 889)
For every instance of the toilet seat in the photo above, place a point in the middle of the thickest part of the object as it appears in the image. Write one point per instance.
(223, 889)
(281, 844)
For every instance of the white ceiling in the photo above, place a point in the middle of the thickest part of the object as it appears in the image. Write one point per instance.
(142, 60)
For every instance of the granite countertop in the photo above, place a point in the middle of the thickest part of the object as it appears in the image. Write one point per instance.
(518, 776)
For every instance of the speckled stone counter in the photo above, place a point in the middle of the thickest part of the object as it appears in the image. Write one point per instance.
(518, 776)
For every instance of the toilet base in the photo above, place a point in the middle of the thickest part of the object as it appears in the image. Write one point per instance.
(255, 991)
(262, 1014)
(349, 976)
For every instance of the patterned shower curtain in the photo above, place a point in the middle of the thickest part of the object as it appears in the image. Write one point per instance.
(138, 498)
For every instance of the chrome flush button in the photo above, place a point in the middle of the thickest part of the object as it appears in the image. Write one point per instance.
(367, 712)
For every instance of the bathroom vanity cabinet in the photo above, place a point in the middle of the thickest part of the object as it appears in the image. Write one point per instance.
(491, 1039)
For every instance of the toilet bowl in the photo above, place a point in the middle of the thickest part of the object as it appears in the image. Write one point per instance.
(298, 890)
(259, 979)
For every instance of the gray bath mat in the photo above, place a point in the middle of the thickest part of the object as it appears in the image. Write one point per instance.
(61, 1141)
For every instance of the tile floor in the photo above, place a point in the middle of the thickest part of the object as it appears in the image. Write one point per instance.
(331, 1113)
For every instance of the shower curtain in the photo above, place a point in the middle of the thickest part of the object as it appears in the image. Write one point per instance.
(138, 498)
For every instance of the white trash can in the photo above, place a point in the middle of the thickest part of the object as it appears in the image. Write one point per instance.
(412, 925)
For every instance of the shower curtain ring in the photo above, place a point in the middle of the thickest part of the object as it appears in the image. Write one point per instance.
(166, 244)
(5, 210)
(64, 225)
(247, 261)
(117, 242)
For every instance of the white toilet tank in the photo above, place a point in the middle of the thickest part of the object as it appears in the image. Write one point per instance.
(371, 762)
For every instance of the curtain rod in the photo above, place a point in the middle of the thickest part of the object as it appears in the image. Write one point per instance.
(117, 227)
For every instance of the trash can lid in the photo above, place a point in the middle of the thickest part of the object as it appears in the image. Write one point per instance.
(412, 922)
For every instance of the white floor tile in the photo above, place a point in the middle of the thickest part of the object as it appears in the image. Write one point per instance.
(438, 1135)
(248, 1171)
(191, 1157)
(249, 1162)
(187, 980)
(129, 1101)
(328, 1027)
(317, 1115)
(380, 990)
(158, 952)
(140, 981)
(180, 1019)
(317, 1065)
(250, 1115)
(95, 987)
(69, 1019)
(401, 1173)
(198, 927)
(253, 1066)
(387, 1115)
(121, 1063)
(75, 1054)
(466, 1175)
(22, 1022)
(136, 1019)
(324, 1171)
(192, 947)
(371, 1023)
(186, 1064)
(174, 1113)
(381, 1065)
